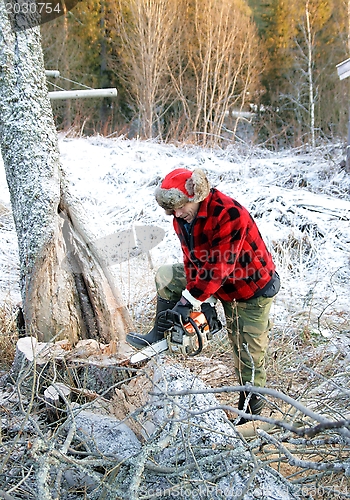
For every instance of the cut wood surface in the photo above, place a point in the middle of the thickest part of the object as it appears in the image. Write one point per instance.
(90, 368)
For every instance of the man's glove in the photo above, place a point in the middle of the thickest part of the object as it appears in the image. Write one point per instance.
(209, 312)
(184, 309)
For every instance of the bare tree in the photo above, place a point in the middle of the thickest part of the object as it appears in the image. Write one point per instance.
(309, 45)
(148, 29)
(225, 59)
(201, 57)
(66, 289)
(303, 94)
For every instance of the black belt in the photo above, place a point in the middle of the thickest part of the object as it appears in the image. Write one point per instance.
(269, 290)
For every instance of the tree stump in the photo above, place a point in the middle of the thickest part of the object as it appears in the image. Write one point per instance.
(53, 370)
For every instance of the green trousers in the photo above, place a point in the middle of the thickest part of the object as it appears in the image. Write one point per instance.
(247, 325)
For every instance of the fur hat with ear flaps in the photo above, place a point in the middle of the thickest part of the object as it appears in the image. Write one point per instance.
(182, 186)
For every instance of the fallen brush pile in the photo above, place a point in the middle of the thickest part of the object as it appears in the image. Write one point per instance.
(71, 431)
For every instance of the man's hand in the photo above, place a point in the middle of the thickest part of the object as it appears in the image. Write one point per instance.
(183, 308)
(209, 312)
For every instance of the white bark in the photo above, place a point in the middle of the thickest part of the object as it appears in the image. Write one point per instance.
(310, 45)
(28, 141)
(349, 26)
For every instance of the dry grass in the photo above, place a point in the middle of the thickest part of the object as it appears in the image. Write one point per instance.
(306, 367)
(314, 371)
(8, 335)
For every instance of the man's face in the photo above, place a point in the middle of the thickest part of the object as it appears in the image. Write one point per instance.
(188, 212)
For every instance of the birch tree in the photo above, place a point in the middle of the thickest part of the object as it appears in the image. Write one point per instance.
(309, 46)
(148, 30)
(66, 289)
(316, 14)
(300, 94)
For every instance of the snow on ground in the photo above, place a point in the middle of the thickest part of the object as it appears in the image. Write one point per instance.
(300, 201)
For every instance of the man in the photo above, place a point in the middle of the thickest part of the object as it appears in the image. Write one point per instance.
(225, 258)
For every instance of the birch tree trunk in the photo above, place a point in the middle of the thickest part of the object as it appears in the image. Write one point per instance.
(65, 289)
(310, 45)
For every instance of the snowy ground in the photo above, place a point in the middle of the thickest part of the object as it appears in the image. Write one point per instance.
(300, 201)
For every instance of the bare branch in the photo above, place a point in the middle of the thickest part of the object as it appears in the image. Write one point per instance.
(305, 464)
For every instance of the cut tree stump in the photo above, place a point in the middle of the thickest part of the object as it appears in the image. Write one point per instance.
(32, 360)
(54, 369)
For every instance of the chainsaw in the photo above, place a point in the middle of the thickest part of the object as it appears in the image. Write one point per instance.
(188, 339)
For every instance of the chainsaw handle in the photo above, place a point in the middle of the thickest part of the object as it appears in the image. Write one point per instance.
(175, 318)
(198, 333)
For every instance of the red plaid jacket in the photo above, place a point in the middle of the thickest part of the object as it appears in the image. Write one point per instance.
(224, 255)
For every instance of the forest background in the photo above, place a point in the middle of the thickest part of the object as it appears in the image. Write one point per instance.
(209, 72)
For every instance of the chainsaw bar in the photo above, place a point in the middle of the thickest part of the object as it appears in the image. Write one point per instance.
(149, 352)
(188, 339)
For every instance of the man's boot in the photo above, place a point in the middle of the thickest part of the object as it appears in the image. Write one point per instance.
(160, 325)
(255, 405)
